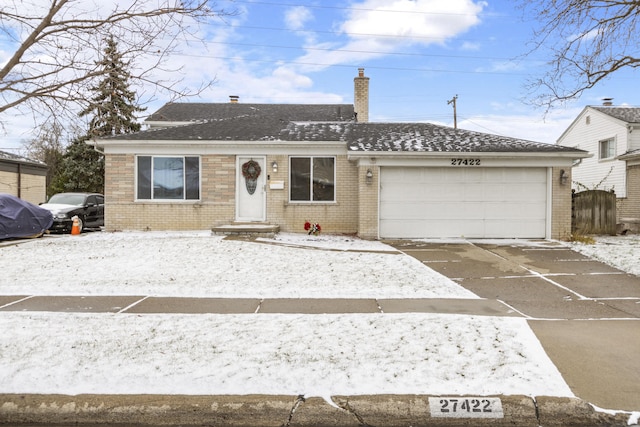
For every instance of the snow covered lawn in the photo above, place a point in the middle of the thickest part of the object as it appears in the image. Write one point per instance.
(622, 252)
(314, 355)
(201, 265)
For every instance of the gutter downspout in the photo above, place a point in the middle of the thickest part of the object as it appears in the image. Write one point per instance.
(19, 180)
(95, 146)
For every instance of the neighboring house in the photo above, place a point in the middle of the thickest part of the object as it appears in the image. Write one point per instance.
(22, 177)
(206, 165)
(612, 135)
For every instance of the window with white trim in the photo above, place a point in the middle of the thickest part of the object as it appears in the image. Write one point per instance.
(168, 178)
(312, 179)
(607, 149)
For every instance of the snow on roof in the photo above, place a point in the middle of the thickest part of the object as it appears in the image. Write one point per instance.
(626, 114)
(14, 158)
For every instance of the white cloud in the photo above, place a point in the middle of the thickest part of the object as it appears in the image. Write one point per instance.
(531, 126)
(418, 21)
(470, 46)
(296, 17)
(375, 28)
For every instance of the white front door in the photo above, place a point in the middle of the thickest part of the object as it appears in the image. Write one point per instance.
(250, 189)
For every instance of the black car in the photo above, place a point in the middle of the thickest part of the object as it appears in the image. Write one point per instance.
(88, 207)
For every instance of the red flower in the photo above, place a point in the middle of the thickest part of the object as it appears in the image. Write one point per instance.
(312, 228)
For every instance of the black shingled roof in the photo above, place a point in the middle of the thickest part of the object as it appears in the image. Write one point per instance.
(627, 114)
(199, 112)
(412, 137)
(400, 137)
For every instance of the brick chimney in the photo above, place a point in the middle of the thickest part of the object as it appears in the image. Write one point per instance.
(361, 96)
(607, 102)
(233, 99)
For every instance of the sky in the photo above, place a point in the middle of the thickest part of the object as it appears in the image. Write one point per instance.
(418, 54)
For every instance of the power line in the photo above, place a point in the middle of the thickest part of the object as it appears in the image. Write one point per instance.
(360, 51)
(316, 64)
(339, 33)
(362, 9)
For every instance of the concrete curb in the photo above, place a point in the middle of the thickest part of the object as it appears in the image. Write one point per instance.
(290, 411)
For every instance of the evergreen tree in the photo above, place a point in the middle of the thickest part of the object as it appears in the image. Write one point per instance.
(113, 107)
(112, 111)
(82, 168)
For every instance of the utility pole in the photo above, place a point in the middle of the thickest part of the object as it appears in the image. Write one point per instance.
(455, 113)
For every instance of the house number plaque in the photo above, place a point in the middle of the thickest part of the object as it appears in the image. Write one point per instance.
(466, 407)
(465, 162)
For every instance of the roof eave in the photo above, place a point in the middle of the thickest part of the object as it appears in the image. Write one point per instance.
(468, 154)
(227, 147)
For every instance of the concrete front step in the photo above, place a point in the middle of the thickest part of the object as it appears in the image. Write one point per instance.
(248, 229)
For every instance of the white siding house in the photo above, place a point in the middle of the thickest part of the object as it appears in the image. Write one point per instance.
(611, 134)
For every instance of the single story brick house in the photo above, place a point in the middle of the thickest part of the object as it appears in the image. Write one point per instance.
(200, 166)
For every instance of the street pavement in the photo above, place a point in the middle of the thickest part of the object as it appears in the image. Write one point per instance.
(586, 315)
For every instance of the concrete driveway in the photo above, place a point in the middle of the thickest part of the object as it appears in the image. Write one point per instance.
(585, 313)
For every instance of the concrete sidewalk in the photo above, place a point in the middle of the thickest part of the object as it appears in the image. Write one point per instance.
(148, 305)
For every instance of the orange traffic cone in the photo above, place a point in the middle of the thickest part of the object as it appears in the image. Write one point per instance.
(75, 228)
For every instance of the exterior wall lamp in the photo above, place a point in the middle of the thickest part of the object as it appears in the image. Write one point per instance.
(274, 166)
(369, 176)
(564, 177)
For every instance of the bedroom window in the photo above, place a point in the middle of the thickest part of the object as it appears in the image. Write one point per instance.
(312, 179)
(607, 149)
(168, 178)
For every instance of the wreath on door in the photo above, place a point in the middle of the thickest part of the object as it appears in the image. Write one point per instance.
(251, 171)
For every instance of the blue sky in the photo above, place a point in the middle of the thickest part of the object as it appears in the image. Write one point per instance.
(418, 54)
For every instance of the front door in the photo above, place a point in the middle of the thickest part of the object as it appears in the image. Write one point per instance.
(250, 189)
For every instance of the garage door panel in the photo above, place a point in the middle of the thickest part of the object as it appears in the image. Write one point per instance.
(409, 211)
(515, 210)
(470, 202)
(513, 229)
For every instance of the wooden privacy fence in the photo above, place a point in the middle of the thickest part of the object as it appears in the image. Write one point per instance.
(593, 212)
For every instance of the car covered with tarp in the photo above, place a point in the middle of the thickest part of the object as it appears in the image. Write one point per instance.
(21, 219)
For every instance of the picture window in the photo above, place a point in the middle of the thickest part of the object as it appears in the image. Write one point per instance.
(168, 178)
(312, 179)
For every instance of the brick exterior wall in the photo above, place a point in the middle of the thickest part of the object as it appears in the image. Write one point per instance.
(368, 202)
(340, 217)
(122, 212)
(560, 205)
(355, 210)
(217, 204)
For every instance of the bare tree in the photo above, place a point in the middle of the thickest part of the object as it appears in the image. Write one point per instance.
(48, 148)
(589, 41)
(57, 43)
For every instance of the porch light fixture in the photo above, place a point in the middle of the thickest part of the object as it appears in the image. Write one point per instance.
(274, 166)
(369, 176)
(564, 177)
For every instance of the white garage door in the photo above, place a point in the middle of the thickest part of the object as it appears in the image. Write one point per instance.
(463, 202)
